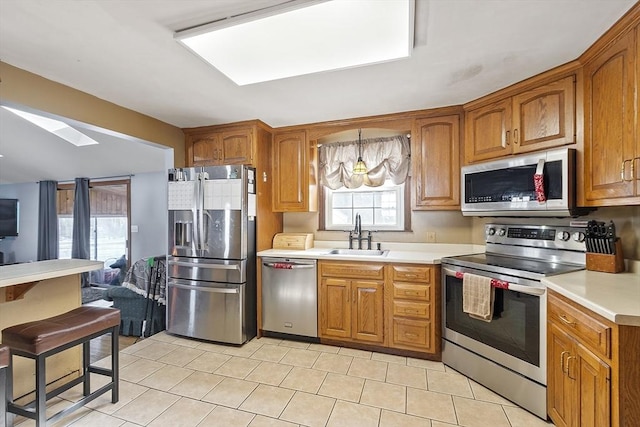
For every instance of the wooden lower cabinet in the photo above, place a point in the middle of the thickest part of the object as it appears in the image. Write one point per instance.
(413, 307)
(592, 368)
(352, 308)
(578, 383)
(385, 305)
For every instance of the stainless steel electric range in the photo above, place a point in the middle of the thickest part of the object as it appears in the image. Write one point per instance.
(508, 354)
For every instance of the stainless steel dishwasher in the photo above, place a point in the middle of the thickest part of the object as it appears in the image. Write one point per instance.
(290, 296)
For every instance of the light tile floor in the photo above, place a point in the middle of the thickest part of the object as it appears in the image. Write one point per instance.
(172, 381)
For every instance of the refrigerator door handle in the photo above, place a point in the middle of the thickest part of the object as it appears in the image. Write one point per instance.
(194, 209)
(205, 288)
(205, 265)
(200, 201)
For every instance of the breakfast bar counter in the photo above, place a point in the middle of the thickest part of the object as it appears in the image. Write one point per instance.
(37, 290)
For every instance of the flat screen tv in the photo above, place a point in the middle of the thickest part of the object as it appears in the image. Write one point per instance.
(9, 209)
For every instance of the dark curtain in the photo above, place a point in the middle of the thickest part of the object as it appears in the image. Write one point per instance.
(48, 221)
(81, 224)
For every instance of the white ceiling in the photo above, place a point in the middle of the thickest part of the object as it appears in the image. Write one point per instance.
(124, 52)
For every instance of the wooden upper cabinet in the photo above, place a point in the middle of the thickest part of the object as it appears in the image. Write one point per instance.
(221, 145)
(544, 117)
(294, 173)
(204, 149)
(237, 147)
(487, 132)
(436, 163)
(611, 147)
(539, 118)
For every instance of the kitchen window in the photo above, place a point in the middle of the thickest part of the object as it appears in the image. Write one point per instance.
(109, 233)
(381, 208)
(376, 190)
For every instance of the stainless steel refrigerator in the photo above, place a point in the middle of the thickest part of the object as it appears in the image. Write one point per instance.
(211, 262)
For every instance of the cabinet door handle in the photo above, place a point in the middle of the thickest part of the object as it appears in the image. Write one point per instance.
(568, 370)
(566, 321)
(506, 138)
(623, 174)
(515, 136)
(562, 360)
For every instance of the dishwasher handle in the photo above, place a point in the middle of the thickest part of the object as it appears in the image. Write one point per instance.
(287, 265)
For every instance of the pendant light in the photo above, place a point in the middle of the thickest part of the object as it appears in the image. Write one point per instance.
(359, 168)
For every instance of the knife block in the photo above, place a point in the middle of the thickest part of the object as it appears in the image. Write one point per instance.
(606, 263)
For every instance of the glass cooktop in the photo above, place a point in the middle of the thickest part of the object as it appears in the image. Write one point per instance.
(517, 266)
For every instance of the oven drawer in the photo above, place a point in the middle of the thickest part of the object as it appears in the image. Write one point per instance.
(584, 326)
(411, 309)
(412, 333)
(411, 292)
(409, 273)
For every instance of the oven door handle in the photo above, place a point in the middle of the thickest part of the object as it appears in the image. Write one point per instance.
(529, 290)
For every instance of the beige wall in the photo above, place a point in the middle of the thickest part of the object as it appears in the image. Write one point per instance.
(21, 87)
(449, 226)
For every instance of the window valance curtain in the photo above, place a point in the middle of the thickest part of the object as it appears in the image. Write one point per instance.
(386, 158)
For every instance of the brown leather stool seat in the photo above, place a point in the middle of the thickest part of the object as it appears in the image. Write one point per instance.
(5, 358)
(42, 338)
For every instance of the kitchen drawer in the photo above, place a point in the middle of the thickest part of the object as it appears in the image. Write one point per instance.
(411, 309)
(358, 270)
(584, 326)
(409, 273)
(412, 333)
(412, 292)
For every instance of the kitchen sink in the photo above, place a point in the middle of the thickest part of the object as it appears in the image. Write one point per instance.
(360, 252)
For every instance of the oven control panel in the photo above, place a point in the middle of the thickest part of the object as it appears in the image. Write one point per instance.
(547, 236)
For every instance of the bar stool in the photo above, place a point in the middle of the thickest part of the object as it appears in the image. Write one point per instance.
(43, 338)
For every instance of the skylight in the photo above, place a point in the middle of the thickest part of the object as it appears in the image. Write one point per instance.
(304, 37)
(55, 127)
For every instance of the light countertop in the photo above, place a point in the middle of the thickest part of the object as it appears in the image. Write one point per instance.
(414, 253)
(16, 274)
(613, 296)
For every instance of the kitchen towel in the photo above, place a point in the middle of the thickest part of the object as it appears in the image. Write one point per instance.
(477, 296)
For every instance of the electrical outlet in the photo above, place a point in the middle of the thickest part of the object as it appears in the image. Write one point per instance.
(431, 236)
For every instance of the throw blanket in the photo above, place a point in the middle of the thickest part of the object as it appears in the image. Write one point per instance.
(141, 278)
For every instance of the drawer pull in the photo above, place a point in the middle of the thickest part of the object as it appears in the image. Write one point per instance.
(410, 335)
(566, 320)
(412, 293)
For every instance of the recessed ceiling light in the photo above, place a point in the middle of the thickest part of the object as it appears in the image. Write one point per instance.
(55, 127)
(304, 37)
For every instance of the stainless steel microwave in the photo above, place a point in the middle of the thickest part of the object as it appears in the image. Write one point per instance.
(535, 184)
